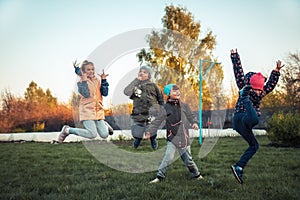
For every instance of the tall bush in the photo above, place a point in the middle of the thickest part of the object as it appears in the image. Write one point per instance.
(284, 128)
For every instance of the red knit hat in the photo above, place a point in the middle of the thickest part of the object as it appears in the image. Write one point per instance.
(257, 81)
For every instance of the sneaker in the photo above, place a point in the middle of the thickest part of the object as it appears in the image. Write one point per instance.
(156, 180)
(110, 129)
(238, 173)
(63, 134)
(154, 144)
(136, 143)
(199, 177)
(245, 90)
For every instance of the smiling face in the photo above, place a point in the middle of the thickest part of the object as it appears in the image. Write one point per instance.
(257, 91)
(143, 75)
(89, 70)
(175, 93)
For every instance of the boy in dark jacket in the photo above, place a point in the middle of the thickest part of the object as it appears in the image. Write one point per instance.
(252, 88)
(178, 118)
(146, 96)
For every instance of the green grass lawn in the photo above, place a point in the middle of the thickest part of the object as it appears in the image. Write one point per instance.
(69, 171)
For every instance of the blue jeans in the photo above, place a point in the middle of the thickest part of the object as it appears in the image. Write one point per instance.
(243, 122)
(185, 154)
(92, 128)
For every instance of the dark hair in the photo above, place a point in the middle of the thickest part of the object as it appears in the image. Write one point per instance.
(86, 63)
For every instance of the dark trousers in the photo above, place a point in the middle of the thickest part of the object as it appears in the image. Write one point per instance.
(138, 130)
(243, 122)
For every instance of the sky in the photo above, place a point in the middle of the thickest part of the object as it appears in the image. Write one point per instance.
(39, 40)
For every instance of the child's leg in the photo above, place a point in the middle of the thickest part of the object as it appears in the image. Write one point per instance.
(251, 119)
(102, 129)
(248, 135)
(169, 156)
(243, 123)
(90, 130)
(186, 157)
(137, 131)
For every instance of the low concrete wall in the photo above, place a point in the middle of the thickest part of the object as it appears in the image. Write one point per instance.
(118, 134)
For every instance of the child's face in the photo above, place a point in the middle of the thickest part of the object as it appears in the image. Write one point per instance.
(90, 71)
(258, 92)
(143, 75)
(175, 94)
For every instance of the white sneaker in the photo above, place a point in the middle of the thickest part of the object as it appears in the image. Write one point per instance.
(63, 134)
(156, 180)
(200, 178)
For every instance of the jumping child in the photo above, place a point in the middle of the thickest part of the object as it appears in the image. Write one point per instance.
(252, 88)
(146, 95)
(91, 112)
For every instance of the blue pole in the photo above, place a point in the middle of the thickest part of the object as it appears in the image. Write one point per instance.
(200, 101)
(200, 94)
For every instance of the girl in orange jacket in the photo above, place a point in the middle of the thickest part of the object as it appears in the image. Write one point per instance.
(91, 112)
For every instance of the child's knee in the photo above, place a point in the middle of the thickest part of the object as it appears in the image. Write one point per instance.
(255, 120)
(255, 147)
(104, 136)
(92, 135)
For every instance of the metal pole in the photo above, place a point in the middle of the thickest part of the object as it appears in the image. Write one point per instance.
(200, 102)
(200, 94)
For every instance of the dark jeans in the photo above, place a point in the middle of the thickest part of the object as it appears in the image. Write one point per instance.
(243, 122)
(138, 130)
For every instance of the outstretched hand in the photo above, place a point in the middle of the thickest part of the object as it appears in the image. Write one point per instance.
(278, 65)
(147, 135)
(195, 126)
(232, 51)
(103, 75)
(75, 64)
(77, 68)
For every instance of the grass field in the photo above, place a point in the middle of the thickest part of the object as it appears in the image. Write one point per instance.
(69, 171)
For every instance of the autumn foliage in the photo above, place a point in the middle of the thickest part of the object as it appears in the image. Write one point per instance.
(38, 110)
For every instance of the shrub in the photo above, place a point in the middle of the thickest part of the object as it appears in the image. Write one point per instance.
(18, 130)
(38, 127)
(284, 129)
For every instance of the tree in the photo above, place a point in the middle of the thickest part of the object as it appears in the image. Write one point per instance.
(11, 112)
(290, 77)
(37, 111)
(175, 51)
(232, 98)
(40, 104)
(287, 94)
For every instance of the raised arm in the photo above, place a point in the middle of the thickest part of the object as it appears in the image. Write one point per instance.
(104, 84)
(128, 91)
(104, 87)
(237, 69)
(273, 79)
